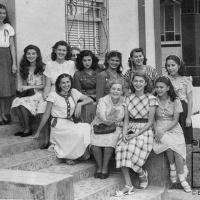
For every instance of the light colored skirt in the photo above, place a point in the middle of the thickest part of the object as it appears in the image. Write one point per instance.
(69, 140)
(173, 139)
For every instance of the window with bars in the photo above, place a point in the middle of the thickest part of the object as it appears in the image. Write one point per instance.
(86, 24)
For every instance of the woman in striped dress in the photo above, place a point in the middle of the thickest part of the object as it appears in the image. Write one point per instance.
(138, 63)
(136, 141)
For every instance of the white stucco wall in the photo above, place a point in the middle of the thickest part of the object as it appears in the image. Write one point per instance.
(39, 22)
(123, 27)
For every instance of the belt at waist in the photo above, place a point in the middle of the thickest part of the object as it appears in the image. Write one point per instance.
(138, 120)
(55, 120)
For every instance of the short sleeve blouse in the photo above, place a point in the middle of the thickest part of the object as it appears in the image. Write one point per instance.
(5, 33)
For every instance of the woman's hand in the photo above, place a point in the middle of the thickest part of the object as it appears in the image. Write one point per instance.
(44, 95)
(188, 121)
(14, 69)
(158, 136)
(78, 109)
(25, 87)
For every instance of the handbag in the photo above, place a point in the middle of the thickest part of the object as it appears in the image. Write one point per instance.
(26, 93)
(102, 129)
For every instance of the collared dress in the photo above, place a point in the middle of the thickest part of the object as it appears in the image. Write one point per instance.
(31, 103)
(134, 153)
(7, 78)
(68, 139)
(172, 139)
(107, 110)
(183, 86)
(86, 84)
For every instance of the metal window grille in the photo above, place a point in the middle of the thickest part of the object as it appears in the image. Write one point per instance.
(86, 24)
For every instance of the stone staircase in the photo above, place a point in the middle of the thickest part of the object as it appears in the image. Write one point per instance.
(26, 172)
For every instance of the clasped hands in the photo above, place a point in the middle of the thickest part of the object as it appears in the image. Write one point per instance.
(158, 135)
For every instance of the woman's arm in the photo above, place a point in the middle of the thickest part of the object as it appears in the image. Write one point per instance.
(100, 86)
(13, 54)
(125, 125)
(47, 87)
(83, 101)
(190, 105)
(77, 83)
(44, 119)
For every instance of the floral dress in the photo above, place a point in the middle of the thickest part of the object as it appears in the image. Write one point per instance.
(32, 102)
(174, 138)
(134, 153)
(183, 86)
(105, 108)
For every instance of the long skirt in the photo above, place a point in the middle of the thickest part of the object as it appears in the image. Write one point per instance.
(187, 131)
(69, 140)
(134, 153)
(7, 79)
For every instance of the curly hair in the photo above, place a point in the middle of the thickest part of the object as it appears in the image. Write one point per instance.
(79, 60)
(111, 54)
(6, 20)
(130, 62)
(171, 93)
(178, 61)
(58, 80)
(24, 63)
(61, 43)
(148, 88)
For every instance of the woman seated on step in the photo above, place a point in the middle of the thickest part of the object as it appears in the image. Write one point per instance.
(30, 88)
(69, 140)
(85, 80)
(106, 127)
(169, 136)
(136, 140)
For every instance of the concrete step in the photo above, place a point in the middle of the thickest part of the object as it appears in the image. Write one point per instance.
(151, 193)
(181, 195)
(91, 188)
(9, 129)
(79, 171)
(12, 145)
(30, 160)
(23, 185)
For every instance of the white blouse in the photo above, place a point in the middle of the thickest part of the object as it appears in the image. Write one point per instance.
(5, 33)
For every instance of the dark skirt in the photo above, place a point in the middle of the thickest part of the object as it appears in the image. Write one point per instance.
(7, 78)
(88, 113)
(188, 131)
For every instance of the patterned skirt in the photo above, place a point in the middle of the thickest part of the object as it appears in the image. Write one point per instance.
(7, 79)
(134, 153)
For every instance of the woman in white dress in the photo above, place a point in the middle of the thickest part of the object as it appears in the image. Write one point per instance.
(69, 140)
(31, 73)
(168, 132)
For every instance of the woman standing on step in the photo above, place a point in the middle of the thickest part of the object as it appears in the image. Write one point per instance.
(32, 82)
(8, 67)
(136, 140)
(69, 140)
(110, 111)
(168, 133)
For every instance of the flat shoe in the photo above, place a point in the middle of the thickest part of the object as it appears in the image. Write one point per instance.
(97, 175)
(45, 146)
(104, 176)
(26, 134)
(20, 133)
(2, 123)
(120, 193)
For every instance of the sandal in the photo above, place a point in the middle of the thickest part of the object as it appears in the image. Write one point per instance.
(121, 193)
(144, 183)
(186, 186)
(173, 176)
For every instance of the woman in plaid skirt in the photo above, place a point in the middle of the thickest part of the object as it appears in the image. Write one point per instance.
(136, 141)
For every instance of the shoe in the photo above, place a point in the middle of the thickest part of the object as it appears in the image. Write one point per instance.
(186, 186)
(97, 175)
(70, 162)
(20, 133)
(45, 146)
(143, 183)
(26, 134)
(6, 121)
(121, 193)
(104, 175)
(2, 123)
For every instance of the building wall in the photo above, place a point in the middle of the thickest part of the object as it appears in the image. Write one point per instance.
(123, 27)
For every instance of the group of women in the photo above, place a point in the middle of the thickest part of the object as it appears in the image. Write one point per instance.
(95, 107)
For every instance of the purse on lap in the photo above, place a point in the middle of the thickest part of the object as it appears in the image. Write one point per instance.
(102, 129)
(26, 93)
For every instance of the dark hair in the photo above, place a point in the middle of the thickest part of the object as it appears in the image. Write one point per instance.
(148, 88)
(79, 60)
(61, 43)
(130, 62)
(6, 20)
(113, 54)
(171, 93)
(178, 61)
(24, 63)
(58, 80)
